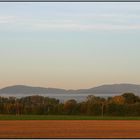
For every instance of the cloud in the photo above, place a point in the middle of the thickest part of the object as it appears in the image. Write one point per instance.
(83, 27)
(7, 19)
(70, 24)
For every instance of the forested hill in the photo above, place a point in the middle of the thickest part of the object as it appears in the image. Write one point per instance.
(100, 90)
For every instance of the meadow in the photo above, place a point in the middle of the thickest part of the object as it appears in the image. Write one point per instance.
(63, 117)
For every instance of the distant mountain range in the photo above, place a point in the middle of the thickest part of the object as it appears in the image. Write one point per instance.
(104, 89)
(62, 94)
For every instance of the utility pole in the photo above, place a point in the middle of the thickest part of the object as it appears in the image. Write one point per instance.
(102, 108)
(44, 105)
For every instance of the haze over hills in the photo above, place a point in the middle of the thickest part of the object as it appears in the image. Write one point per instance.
(22, 89)
(62, 94)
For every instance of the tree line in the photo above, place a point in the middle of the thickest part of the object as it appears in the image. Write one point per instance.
(127, 104)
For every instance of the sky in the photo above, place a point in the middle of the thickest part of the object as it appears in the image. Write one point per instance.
(69, 45)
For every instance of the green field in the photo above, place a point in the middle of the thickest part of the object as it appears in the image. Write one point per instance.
(62, 117)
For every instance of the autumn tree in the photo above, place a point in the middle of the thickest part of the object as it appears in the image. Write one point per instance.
(131, 98)
(70, 106)
(118, 100)
(95, 105)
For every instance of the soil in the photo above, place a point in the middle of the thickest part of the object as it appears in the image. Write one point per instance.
(70, 129)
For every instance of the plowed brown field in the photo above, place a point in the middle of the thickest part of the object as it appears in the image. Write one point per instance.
(70, 129)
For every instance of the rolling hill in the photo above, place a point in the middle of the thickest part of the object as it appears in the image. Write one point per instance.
(103, 90)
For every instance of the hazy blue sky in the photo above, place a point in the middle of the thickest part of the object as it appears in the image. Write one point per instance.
(69, 45)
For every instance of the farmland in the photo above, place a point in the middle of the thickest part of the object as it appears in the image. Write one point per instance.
(69, 129)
